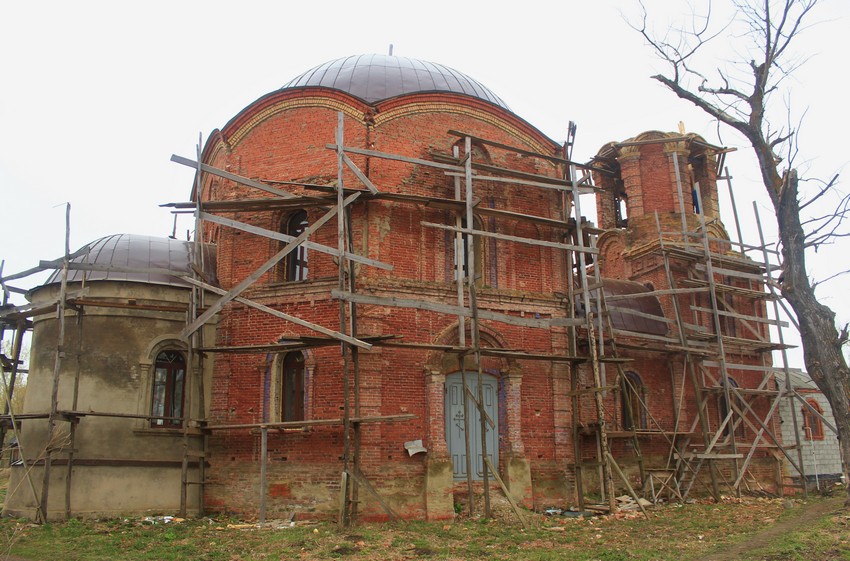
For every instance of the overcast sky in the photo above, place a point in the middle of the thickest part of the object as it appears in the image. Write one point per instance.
(96, 96)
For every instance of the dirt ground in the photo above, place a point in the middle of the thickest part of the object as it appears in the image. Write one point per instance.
(803, 515)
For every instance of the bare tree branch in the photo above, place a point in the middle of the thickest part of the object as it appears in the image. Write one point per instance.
(826, 188)
(771, 28)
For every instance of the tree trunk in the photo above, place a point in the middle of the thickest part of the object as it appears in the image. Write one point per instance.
(822, 344)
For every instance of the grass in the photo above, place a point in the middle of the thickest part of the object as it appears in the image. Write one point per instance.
(675, 533)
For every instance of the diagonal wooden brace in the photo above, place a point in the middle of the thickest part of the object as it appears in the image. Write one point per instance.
(264, 268)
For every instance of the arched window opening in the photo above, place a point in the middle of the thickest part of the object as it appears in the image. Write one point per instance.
(695, 201)
(169, 382)
(478, 248)
(295, 264)
(723, 410)
(291, 383)
(479, 150)
(812, 424)
(621, 206)
(632, 409)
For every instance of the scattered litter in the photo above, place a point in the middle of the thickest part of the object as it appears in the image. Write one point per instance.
(162, 520)
(627, 503)
(573, 512)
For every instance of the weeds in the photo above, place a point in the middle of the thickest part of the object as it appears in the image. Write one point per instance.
(691, 532)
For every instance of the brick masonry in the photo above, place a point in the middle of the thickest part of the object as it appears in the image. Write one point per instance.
(282, 137)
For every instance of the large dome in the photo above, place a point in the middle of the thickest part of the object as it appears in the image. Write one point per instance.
(374, 78)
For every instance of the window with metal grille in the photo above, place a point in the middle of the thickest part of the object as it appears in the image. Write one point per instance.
(295, 263)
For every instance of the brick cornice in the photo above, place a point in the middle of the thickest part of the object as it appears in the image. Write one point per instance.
(460, 105)
(287, 104)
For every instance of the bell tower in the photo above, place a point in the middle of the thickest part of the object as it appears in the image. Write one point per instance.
(653, 174)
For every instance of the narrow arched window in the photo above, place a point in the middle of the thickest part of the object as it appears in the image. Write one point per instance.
(461, 259)
(736, 420)
(169, 382)
(295, 264)
(292, 387)
(621, 206)
(632, 409)
(812, 424)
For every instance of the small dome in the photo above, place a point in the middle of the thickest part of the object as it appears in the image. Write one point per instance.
(374, 78)
(137, 252)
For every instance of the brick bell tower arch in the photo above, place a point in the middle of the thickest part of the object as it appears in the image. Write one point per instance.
(655, 172)
(667, 175)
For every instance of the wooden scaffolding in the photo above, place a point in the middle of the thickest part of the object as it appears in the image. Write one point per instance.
(591, 340)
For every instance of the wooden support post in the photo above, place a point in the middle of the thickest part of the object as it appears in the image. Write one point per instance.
(476, 333)
(628, 485)
(361, 479)
(789, 389)
(689, 363)
(57, 369)
(345, 518)
(507, 493)
(608, 482)
(459, 268)
(264, 459)
(354, 351)
(717, 327)
(679, 191)
(343, 499)
(72, 445)
(470, 490)
(17, 342)
(39, 514)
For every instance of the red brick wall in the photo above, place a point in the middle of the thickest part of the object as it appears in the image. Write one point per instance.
(283, 137)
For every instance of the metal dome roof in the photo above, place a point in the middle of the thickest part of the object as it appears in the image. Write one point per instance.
(137, 252)
(374, 78)
(647, 305)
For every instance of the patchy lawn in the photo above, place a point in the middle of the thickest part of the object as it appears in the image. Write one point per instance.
(754, 529)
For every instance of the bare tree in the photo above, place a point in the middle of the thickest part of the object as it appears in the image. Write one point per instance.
(740, 95)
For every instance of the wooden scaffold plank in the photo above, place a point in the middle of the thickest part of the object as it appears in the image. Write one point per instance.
(264, 268)
(395, 302)
(277, 313)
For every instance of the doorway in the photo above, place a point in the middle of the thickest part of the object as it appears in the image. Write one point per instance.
(454, 422)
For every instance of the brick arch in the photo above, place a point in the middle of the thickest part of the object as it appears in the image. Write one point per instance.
(269, 381)
(284, 100)
(479, 150)
(439, 364)
(612, 245)
(437, 361)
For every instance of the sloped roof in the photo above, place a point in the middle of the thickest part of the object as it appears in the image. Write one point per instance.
(619, 309)
(799, 379)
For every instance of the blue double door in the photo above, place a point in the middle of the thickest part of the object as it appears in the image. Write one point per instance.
(454, 422)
